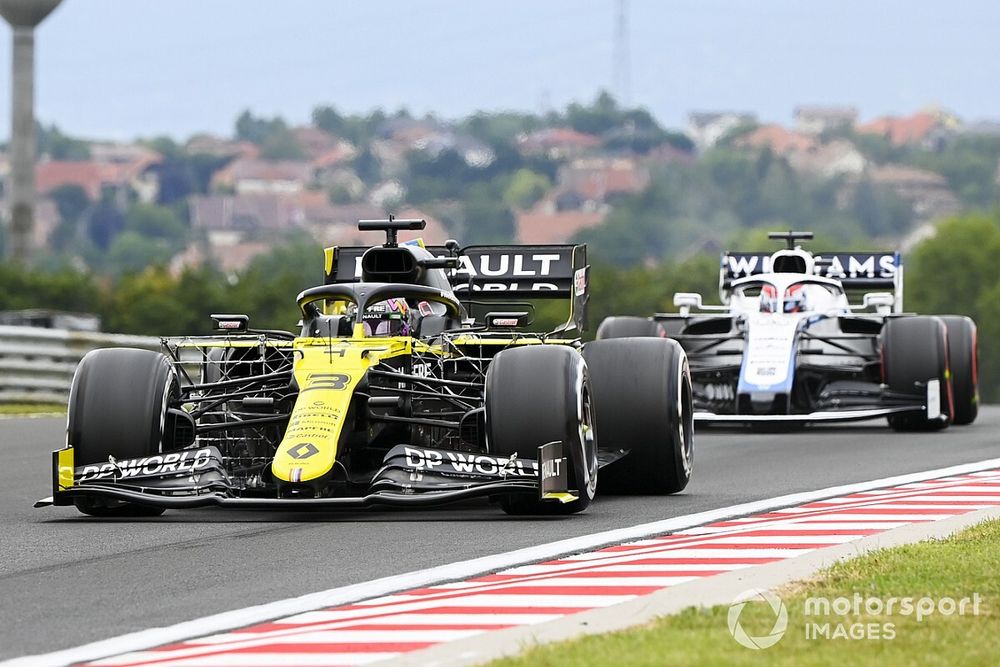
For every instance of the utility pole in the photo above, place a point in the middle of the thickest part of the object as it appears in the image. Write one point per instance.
(622, 65)
(23, 16)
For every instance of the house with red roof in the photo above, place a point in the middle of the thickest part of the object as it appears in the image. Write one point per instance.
(558, 143)
(256, 176)
(921, 128)
(780, 140)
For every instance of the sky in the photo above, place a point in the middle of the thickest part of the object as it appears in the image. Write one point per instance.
(127, 68)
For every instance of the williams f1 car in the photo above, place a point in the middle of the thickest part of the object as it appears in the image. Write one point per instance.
(393, 392)
(787, 345)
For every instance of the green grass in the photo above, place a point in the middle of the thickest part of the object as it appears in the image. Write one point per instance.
(32, 408)
(957, 567)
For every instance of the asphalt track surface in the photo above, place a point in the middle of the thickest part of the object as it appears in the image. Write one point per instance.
(66, 579)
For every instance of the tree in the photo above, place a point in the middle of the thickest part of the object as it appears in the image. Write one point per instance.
(275, 138)
(954, 272)
(486, 219)
(52, 142)
(132, 252)
(281, 144)
(157, 222)
(71, 201)
(147, 303)
(525, 188)
(105, 223)
(602, 115)
(359, 130)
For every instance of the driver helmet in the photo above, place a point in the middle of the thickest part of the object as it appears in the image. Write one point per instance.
(768, 299)
(387, 318)
(795, 299)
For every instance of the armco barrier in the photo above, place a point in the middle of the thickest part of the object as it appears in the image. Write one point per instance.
(37, 365)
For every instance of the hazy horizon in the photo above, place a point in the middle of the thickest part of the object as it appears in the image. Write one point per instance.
(111, 69)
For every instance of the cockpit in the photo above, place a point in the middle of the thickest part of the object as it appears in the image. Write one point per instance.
(796, 297)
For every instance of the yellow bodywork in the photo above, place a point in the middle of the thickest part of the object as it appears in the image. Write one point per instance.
(327, 372)
(64, 475)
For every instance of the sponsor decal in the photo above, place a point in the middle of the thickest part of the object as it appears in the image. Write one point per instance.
(554, 474)
(769, 353)
(504, 322)
(840, 266)
(470, 463)
(580, 282)
(185, 462)
(502, 268)
(303, 450)
(315, 422)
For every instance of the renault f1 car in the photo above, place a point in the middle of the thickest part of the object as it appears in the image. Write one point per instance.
(787, 345)
(393, 392)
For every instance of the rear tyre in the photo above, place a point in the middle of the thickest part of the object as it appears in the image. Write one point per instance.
(642, 400)
(914, 352)
(629, 327)
(538, 394)
(963, 355)
(118, 407)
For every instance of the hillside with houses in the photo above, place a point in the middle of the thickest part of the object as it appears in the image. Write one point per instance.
(612, 176)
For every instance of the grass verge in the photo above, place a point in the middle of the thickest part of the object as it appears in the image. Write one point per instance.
(32, 408)
(960, 566)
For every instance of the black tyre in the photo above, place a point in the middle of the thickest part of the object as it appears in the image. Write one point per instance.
(914, 352)
(538, 394)
(642, 400)
(963, 356)
(118, 407)
(629, 327)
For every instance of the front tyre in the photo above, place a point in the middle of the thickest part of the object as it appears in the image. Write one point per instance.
(118, 407)
(963, 355)
(538, 394)
(915, 352)
(643, 402)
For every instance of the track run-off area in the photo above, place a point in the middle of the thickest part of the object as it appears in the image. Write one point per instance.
(66, 580)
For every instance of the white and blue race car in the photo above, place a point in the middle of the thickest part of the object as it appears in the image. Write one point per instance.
(787, 345)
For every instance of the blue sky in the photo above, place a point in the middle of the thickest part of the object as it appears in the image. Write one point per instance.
(124, 68)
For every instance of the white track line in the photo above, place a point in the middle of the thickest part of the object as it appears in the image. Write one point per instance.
(225, 621)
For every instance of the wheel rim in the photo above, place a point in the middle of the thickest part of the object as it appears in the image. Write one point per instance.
(685, 419)
(587, 439)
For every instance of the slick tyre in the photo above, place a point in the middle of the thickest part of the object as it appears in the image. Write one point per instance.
(629, 327)
(642, 400)
(118, 407)
(963, 355)
(914, 352)
(538, 394)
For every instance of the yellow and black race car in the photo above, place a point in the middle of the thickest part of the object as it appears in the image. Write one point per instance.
(392, 393)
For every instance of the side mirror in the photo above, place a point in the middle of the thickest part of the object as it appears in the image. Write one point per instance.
(882, 302)
(508, 320)
(685, 301)
(231, 323)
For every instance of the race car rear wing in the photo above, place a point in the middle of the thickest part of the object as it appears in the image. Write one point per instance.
(497, 273)
(856, 271)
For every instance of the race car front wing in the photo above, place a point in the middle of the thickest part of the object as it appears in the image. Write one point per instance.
(929, 404)
(410, 476)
